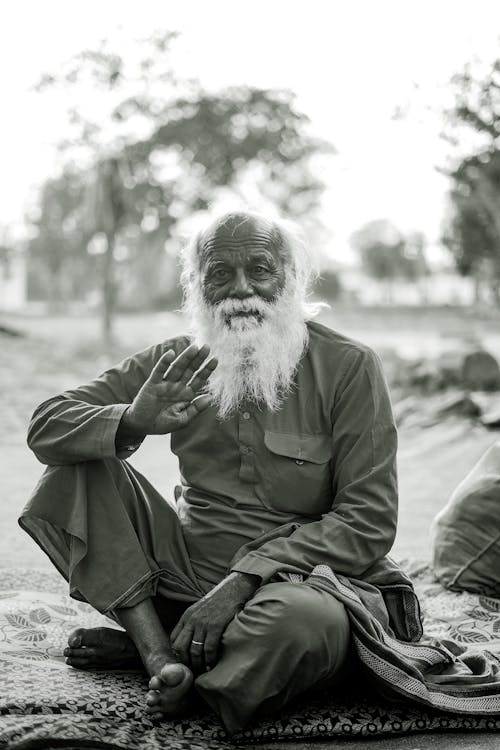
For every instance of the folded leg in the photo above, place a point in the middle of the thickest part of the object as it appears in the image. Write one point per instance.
(111, 534)
(288, 638)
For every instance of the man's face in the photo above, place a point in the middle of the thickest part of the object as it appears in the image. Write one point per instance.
(239, 261)
(246, 306)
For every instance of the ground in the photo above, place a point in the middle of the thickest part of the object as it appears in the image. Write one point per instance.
(62, 351)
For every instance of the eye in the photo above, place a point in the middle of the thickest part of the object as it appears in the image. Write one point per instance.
(260, 270)
(220, 274)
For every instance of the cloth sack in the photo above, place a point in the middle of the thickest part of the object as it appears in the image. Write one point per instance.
(466, 533)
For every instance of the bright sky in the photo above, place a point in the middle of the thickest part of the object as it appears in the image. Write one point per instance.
(350, 63)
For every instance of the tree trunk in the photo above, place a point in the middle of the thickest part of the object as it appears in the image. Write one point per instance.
(478, 289)
(56, 301)
(108, 293)
(423, 290)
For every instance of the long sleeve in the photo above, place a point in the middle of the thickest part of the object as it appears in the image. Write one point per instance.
(361, 526)
(81, 424)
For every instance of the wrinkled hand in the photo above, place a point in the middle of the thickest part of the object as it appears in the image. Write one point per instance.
(170, 397)
(205, 621)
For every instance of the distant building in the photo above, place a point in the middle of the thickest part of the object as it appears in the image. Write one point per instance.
(13, 287)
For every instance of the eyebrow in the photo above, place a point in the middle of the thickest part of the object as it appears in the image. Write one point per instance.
(261, 257)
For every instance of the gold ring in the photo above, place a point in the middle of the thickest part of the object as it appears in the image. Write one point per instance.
(197, 643)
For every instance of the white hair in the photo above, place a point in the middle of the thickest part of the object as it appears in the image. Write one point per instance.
(297, 257)
(258, 354)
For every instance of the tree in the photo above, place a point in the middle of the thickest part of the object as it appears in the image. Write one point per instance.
(472, 230)
(59, 262)
(153, 149)
(387, 255)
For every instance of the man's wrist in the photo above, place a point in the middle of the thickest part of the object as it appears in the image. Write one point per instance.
(127, 432)
(247, 580)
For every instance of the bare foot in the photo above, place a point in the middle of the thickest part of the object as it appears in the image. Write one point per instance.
(108, 648)
(101, 648)
(169, 690)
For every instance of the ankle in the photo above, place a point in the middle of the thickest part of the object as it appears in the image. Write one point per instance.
(155, 660)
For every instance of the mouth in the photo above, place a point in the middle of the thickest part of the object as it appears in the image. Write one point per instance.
(244, 315)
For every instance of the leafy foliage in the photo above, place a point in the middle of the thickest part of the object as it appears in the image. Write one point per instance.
(159, 150)
(386, 254)
(472, 231)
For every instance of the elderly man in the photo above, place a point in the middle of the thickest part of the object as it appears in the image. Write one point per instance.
(286, 446)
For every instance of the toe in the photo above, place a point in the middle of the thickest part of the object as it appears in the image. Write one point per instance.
(77, 663)
(153, 699)
(76, 638)
(173, 674)
(168, 690)
(155, 683)
(80, 653)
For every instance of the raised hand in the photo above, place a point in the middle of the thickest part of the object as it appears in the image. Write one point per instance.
(171, 396)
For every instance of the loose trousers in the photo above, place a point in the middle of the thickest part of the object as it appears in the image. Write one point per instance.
(117, 541)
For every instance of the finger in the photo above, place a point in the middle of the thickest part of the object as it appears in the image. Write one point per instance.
(186, 364)
(182, 644)
(212, 643)
(201, 377)
(197, 651)
(197, 405)
(176, 630)
(162, 366)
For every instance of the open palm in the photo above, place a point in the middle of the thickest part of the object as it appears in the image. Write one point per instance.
(173, 393)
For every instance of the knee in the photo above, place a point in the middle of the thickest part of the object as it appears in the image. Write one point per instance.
(302, 614)
(72, 472)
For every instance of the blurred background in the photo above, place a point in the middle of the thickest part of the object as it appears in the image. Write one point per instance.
(375, 126)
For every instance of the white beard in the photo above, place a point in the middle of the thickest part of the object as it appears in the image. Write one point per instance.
(257, 355)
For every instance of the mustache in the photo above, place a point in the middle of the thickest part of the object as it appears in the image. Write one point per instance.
(232, 306)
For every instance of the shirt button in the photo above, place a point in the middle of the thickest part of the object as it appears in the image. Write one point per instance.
(245, 415)
(298, 462)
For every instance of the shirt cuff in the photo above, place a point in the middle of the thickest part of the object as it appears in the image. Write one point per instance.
(257, 566)
(111, 416)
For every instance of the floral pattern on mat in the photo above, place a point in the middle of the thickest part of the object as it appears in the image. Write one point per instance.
(44, 700)
(464, 618)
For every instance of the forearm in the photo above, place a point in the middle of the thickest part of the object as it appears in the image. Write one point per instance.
(65, 430)
(347, 548)
(81, 424)
(247, 582)
(242, 585)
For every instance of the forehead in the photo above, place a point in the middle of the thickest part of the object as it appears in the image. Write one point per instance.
(235, 238)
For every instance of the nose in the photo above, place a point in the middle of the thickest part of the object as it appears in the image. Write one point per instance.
(241, 287)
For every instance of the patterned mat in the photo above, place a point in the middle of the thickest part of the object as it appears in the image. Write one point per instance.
(43, 702)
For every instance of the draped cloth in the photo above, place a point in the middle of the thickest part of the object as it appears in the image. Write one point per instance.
(388, 639)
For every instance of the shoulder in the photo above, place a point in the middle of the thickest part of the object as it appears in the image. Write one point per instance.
(332, 345)
(341, 358)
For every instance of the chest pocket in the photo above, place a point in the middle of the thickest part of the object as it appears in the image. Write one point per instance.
(298, 478)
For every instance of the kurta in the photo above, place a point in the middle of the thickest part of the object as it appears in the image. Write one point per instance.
(262, 492)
